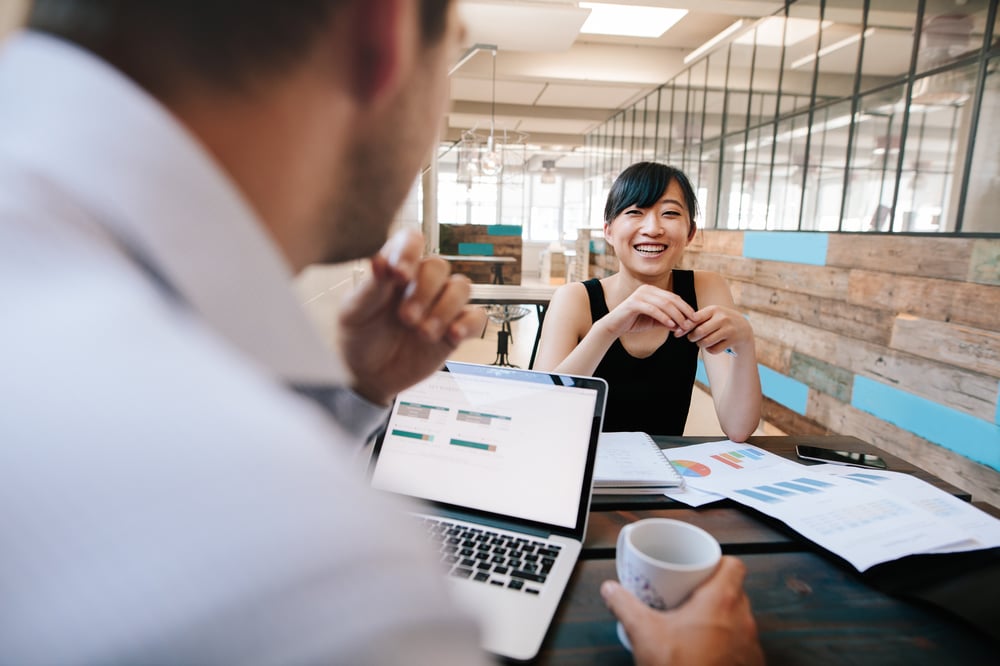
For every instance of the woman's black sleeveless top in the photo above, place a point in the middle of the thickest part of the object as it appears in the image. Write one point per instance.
(651, 394)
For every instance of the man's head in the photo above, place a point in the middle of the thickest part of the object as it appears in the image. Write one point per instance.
(322, 111)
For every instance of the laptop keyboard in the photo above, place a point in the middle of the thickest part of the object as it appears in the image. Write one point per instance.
(493, 558)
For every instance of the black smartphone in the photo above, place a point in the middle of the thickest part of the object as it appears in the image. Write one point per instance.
(839, 457)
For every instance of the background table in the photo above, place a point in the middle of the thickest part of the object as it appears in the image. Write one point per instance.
(496, 262)
(811, 606)
(509, 294)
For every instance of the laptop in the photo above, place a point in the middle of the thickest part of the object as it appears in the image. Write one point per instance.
(502, 460)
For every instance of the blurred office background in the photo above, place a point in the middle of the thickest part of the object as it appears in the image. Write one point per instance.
(847, 159)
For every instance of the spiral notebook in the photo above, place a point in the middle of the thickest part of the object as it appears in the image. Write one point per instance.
(632, 463)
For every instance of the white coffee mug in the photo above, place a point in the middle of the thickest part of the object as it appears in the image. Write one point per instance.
(662, 561)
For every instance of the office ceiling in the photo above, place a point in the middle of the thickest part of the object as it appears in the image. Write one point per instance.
(555, 84)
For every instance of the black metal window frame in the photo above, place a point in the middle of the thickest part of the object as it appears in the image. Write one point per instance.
(611, 151)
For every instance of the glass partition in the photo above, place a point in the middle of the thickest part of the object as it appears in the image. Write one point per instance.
(948, 36)
(696, 121)
(666, 122)
(872, 176)
(983, 198)
(797, 35)
(836, 60)
(648, 127)
(825, 117)
(993, 40)
(825, 173)
(628, 137)
(679, 128)
(888, 44)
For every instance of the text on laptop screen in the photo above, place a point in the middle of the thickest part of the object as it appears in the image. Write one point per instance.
(510, 447)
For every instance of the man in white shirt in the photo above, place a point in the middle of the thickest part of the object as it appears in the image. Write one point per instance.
(176, 481)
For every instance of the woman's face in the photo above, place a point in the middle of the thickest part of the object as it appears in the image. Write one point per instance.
(650, 241)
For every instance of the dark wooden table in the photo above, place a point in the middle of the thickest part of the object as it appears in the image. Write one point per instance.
(811, 606)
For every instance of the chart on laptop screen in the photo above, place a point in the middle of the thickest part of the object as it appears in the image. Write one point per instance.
(447, 426)
(511, 447)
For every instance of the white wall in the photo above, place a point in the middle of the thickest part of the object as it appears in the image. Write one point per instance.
(531, 258)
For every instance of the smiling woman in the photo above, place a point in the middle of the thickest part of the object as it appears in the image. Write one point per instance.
(641, 329)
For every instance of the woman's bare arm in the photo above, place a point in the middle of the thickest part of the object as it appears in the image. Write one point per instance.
(728, 351)
(567, 327)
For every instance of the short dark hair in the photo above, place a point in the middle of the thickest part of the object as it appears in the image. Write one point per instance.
(642, 185)
(225, 43)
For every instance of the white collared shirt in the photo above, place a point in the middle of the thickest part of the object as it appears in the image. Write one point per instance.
(163, 496)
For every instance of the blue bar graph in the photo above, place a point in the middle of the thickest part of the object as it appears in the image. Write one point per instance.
(802, 488)
(776, 491)
(779, 491)
(770, 499)
(814, 482)
(866, 478)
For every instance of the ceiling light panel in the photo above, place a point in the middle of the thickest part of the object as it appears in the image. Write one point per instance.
(836, 46)
(527, 27)
(770, 31)
(728, 33)
(629, 20)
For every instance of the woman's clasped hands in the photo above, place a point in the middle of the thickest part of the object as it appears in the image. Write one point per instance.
(714, 328)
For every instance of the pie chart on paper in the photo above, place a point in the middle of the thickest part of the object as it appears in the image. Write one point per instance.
(691, 468)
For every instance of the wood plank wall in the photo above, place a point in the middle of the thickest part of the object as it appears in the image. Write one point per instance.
(494, 240)
(879, 320)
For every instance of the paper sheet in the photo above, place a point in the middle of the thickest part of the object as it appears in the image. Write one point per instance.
(866, 517)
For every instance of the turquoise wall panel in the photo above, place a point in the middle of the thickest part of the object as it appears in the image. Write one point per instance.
(976, 439)
(789, 392)
(793, 247)
(503, 230)
(481, 249)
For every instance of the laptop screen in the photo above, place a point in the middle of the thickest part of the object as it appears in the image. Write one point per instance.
(510, 442)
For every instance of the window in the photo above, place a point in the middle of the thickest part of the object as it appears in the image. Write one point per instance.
(823, 120)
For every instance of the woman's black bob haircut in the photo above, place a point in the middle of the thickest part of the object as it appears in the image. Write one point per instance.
(642, 185)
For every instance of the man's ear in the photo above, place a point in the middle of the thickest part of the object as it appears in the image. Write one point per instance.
(382, 33)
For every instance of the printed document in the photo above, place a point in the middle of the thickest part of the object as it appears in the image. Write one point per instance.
(865, 516)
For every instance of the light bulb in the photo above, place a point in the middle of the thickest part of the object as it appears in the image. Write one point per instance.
(490, 164)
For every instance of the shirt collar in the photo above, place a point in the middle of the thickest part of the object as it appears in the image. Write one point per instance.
(136, 168)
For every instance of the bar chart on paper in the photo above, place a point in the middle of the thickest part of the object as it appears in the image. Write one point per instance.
(864, 517)
(732, 460)
(736, 459)
(867, 479)
(780, 491)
